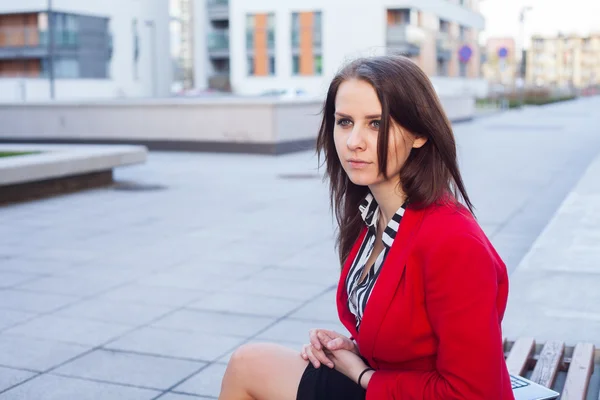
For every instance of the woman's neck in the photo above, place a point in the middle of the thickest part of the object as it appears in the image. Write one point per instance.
(389, 197)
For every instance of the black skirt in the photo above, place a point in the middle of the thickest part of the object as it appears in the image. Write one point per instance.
(325, 383)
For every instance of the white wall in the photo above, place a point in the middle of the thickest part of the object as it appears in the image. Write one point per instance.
(121, 81)
(349, 31)
(17, 90)
(239, 120)
(445, 86)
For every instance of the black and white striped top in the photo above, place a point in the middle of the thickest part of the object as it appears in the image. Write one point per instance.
(359, 293)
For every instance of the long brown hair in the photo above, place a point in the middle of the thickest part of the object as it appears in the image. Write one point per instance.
(408, 98)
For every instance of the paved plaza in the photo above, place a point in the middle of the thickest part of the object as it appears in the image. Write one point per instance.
(143, 290)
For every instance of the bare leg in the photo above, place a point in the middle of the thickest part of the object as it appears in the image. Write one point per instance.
(262, 371)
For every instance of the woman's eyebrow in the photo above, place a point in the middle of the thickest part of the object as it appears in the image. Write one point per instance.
(372, 116)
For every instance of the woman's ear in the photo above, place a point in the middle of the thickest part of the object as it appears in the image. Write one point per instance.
(419, 142)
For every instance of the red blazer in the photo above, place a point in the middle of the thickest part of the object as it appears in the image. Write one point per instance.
(431, 328)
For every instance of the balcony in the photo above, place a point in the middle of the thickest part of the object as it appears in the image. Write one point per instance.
(218, 44)
(443, 44)
(405, 39)
(220, 81)
(218, 10)
(27, 42)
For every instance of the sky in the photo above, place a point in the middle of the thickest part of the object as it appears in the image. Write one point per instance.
(547, 17)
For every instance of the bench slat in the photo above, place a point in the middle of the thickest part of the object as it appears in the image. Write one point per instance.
(546, 369)
(580, 371)
(519, 355)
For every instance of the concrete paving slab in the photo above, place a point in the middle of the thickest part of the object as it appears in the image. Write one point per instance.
(214, 322)
(68, 330)
(153, 295)
(114, 312)
(10, 377)
(49, 387)
(21, 300)
(129, 369)
(175, 343)
(36, 354)
(206, 382)
(242, 303)
(10, 318)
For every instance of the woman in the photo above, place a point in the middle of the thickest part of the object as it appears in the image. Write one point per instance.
(422, 291)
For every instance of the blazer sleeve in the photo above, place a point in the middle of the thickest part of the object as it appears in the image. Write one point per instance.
(460, 299)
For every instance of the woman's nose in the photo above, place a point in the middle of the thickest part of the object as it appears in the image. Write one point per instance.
(355, 139)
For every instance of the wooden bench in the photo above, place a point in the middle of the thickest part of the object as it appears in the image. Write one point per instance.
(573, 371)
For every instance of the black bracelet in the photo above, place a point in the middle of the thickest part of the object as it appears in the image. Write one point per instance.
(362, 373)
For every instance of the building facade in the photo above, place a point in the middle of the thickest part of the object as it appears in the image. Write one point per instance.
(83, 49)
(182, 45)
(564, 61)
(261, 45)
(500, 65)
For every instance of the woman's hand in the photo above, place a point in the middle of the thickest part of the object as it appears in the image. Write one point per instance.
(351, 365)
(322, 340)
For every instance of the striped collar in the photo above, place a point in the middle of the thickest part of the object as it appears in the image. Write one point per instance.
(369, 211)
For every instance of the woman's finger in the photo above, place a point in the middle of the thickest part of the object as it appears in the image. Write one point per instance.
(303, 353)
(322, 357)
(311, 357)
(314, 339)
(340, 343)
(318, 357)
(324, 338)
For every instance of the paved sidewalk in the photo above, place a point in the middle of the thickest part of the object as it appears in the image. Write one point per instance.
(555, 291)
(144, 293)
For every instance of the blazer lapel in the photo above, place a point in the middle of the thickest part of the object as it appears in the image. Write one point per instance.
(387, 282)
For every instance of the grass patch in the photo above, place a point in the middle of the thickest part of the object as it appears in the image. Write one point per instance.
(533, 101)
(16, 153)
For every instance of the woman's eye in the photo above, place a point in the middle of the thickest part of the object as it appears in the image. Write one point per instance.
(344, 122)
(375, 124)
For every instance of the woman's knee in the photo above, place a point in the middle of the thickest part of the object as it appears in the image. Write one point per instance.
(265, 371)
(246, 355)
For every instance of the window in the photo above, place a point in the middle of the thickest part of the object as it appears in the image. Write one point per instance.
(136, 48)
(250, 28)
(317, 29)
(444, 26)
(399, 17)
(271, 31)
(64, 68)
(271, 65)
(318, 65)
(250, 65)
(65, 29)
(442, 67)
(76, 56)
(306, 61)
(260, 35)
(295, 30)
(462, 33)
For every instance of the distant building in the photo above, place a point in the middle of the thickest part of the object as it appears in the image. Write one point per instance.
(182, 44)
(102, 49)
(260, 45)
(564, 61)
(500, 65)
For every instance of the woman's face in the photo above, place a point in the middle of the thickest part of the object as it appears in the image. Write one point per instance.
(356, 130)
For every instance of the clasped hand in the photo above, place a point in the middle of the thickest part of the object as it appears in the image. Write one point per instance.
(333, 350)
